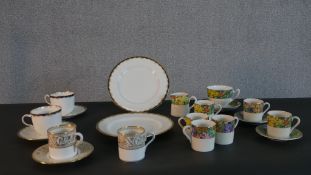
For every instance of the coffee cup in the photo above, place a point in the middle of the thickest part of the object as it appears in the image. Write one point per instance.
(225, 125)
(180, 103)
(206, 106)
(222, 94)
(201, 135)
(280, 124)
(43, 118)
(132, 143)
(253, 109)
(186, 120)
(66, 100)
(63, 141)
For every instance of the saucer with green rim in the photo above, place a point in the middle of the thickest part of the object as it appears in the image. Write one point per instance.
(240, 116)
(262, 130)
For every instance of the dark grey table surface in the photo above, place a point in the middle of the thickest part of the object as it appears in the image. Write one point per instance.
(170, 153)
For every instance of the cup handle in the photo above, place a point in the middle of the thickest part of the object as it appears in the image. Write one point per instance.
(152, 139)
(80, 138)
(219, 109)
(186, 132)
(195, 100)
(23, 119)
(268, 107)
(237, 92)
(297, 123)
(47, 99)
(236, 121)
(179, 122)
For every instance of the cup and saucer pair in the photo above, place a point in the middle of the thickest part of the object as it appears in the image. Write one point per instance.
(294, 135)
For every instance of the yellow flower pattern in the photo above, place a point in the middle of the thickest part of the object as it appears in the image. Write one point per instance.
(180, 100)
(279, 122)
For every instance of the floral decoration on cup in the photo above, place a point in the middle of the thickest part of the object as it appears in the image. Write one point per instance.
(225, 127)
(180, 100)
(203, 132)
(220, 94)
(279, 122)
(203, 108)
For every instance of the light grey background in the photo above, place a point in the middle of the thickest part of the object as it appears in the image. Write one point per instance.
(261, 46)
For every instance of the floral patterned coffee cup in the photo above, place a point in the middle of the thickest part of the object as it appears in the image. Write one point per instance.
(180, 103)
(201, 135)
(206, 106)
(225, 125)
(280, 124)
(222, 94)
(186, 120)
(253, 109)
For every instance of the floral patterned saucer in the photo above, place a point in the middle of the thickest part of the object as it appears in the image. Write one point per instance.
(41, 154)
(240, 116)
(262, 130)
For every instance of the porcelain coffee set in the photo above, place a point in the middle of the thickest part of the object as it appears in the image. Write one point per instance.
(139, 84)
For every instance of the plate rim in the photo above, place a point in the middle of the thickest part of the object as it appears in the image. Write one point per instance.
(135, 57)
(111, 116)
(276, 139)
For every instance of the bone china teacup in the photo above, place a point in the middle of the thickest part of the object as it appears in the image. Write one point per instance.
(206, 106)
(43, 118)
(132, 143)
(201, 135)
(180, 103)
(253, 109)
(186, 120)
(66, 100)
(225, 125)
(222, 94)
(63, 141)
(280, 124)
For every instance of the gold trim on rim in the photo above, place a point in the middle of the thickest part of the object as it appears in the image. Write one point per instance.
(97, 127)
(135, 57)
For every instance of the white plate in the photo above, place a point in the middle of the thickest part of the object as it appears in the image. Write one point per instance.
(77, 110)
(138, 84)
(151, 122)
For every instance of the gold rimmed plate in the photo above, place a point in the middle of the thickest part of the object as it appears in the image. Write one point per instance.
(138, 84)
(41, 154)
(77, 110)
(29, 133)
(150, 122)
(295, 135)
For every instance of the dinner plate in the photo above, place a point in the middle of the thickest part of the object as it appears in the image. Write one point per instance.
(262, 130)
(138, 84)
(151, 122)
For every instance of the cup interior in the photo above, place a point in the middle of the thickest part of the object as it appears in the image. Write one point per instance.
(253, 100)
(204, 102)
(225, 118)
(62, 94)
(131, 130)
(203, 123)
(179, 94)
(279, 114)
(220, 87)
(63, 128)
(46, 110)
(195, 116)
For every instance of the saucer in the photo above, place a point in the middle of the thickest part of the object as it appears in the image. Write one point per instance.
(77, 110)
(29, 133)
(41, 154)
(262, 130)
(240, 116)
(235, 104)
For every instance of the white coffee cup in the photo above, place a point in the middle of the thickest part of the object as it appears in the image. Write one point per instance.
(280, 124)
(201, 135)
(131, 143)
(253, 109)
(180, 103)
(43, 118)
(66, 100)
(62, 141)
(222, 94)
(225, 125)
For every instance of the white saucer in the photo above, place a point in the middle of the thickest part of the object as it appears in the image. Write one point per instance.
(262, 130)
(151, 122)
(41, 154)
(240, 116)
(78, 109)
(29, 133)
